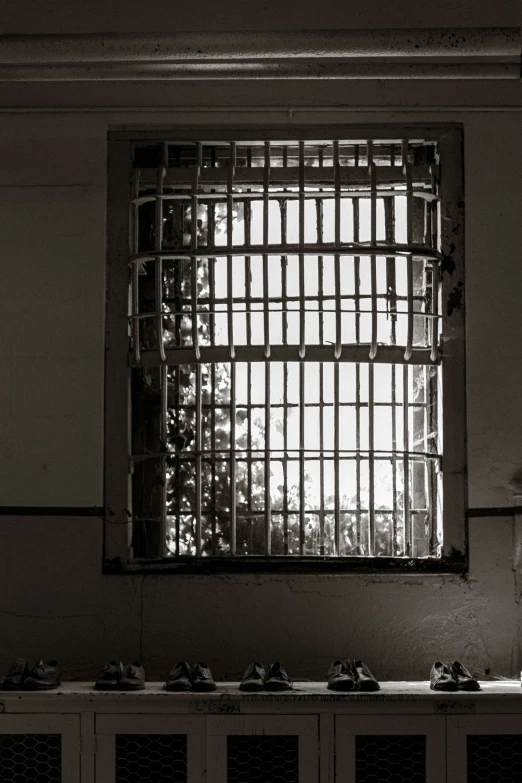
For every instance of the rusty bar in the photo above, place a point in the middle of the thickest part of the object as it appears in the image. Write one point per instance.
(268, 505)
(337, 440)
(193, 254)
(158, 241)
(406, 462)
(301, 458)
(409, 235)
(371, 462)
(266, 299)
(337, 242)
(302, 311)
(230, 225)
(134, 245)
(373, 241)
(233, 488)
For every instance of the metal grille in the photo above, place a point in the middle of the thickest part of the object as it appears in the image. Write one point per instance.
(151, 758)
(495, 758)
(390, 759)
(284, 345)
(267, 759)
(30, 757)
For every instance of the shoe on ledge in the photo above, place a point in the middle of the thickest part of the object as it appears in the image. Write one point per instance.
(464, 679)
(44, 676)
(14, 678)
(180, 677)
(441, 678)
(277, 678)
(133, 677)
(363, 677)
(253, 678)
(202, 679)
(340, 676)
(109, 677)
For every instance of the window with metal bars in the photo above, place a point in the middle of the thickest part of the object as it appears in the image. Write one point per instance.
(290, 311)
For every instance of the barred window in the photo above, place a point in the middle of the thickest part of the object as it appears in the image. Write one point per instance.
(293, 335)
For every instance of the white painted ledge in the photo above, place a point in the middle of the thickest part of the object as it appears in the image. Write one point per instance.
(443, 53)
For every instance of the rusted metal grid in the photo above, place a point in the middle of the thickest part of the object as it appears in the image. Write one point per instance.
(285, 349)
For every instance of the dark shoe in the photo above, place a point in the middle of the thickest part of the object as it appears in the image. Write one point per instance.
(44, 676)
(110, 676)
(441, 678)
(14, 679)
(254, 678)
(340, 676)
(363, 677)
(277, 678)
(180, 677)
(202, 679)
(132, 678)
(465, 681)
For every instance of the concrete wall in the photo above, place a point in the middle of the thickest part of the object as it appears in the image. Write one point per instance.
(54, 601)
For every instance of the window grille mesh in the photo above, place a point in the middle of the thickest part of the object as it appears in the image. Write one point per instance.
(30, 757)
(284, 345)
(151, 758)
(390, 759)
(267, 759)
(495, 758)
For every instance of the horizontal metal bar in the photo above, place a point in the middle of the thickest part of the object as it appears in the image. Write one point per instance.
(391, 354)
(322, 310)
(326, 248)
(286, 175)
(241, 455)
(279, 195)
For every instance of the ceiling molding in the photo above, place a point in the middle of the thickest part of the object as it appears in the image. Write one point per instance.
(444, 53)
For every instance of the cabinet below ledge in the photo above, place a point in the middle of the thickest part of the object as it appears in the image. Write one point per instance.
(76, 734)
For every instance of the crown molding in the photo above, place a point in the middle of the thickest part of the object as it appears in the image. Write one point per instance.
(436, 53)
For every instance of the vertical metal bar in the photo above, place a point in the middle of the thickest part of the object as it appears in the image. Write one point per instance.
(213, 378)
(230, 226)
(268, 505)
(409, 238)
(337, 241)
(158, 306)
(301, 458)
(357, 286)
(198, 444)
(320, 304)
(406, 461)
(233, 489)
(391, 299)
(373, 241)
(371, 455)
(134, 244)
(194, 247)
(284, 309)
(194, 301)
(266, 196)
(302, 312)
(248, 291)
(158, 238)
(435, 273)
(337, 440)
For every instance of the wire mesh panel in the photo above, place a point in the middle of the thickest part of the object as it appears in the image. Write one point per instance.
(30, 757)
(284, 345)
(390, 759)
(495, 758)
(267, 759)
(151, 758)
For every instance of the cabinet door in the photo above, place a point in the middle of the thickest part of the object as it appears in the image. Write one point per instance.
(259, 749)
(150, 748)
(390, 749)
(485, 748)
(39, 748)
